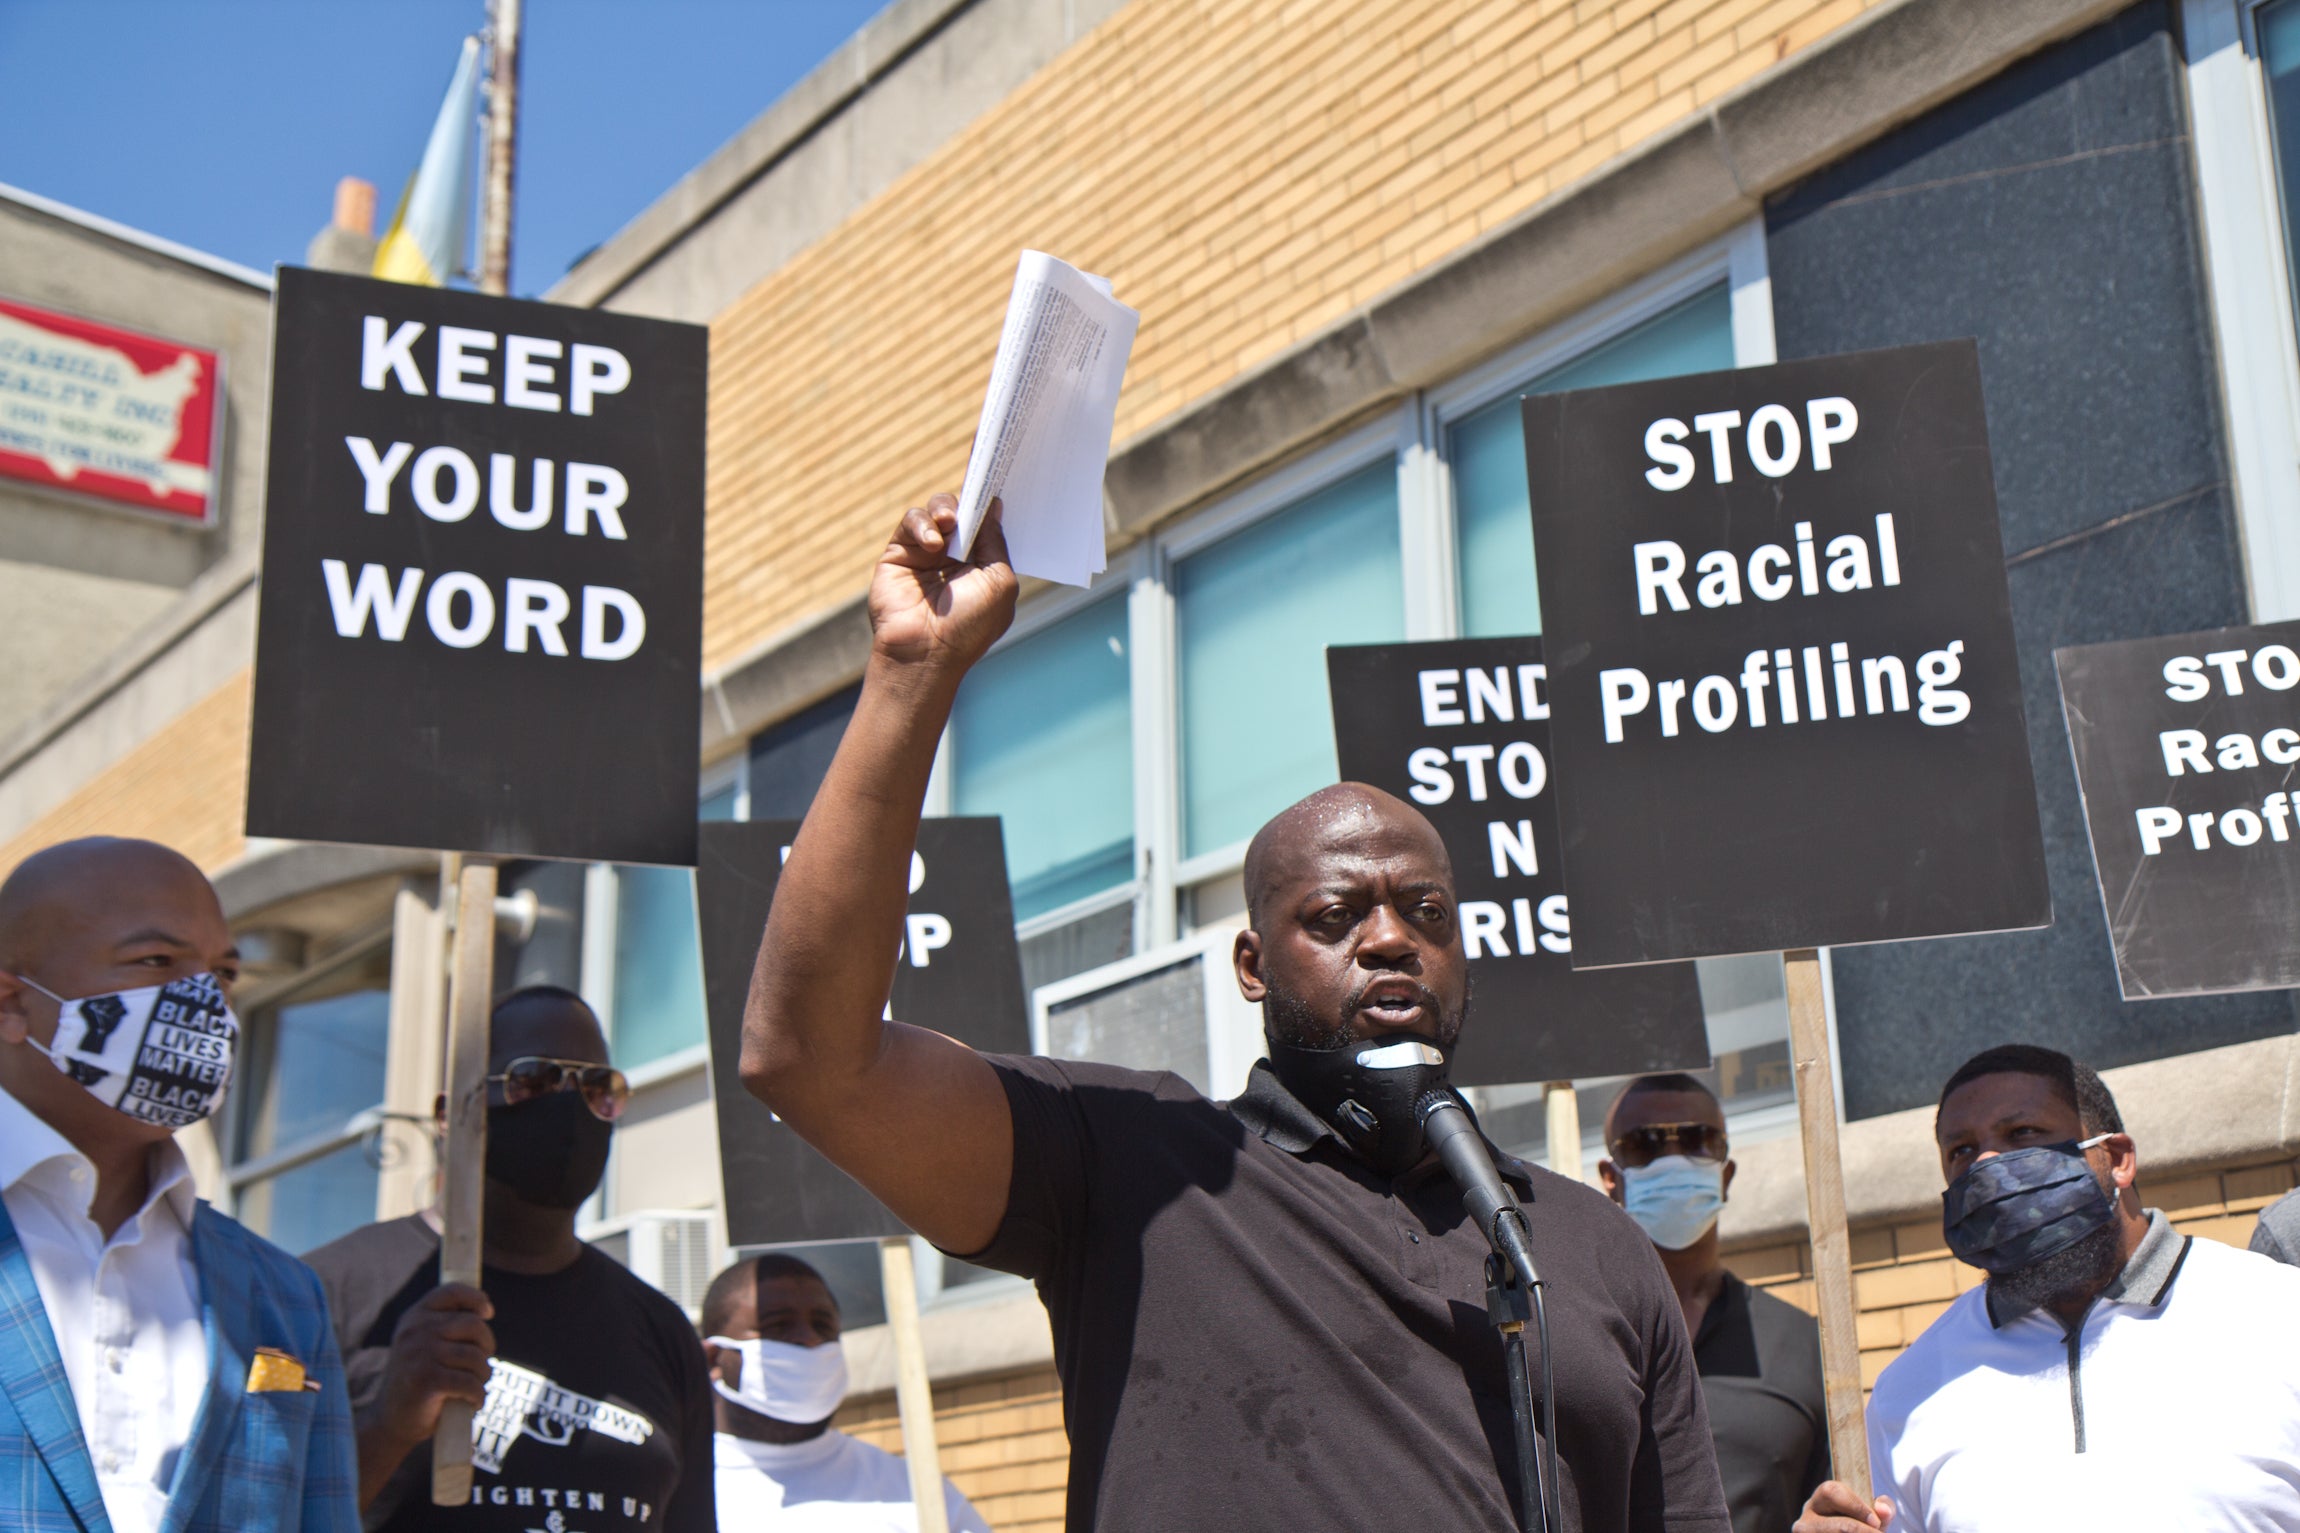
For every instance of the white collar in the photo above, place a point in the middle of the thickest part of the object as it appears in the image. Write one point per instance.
(28, 1144)
(773, 1458)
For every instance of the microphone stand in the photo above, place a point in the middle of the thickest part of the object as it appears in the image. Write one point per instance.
(1513, 1296)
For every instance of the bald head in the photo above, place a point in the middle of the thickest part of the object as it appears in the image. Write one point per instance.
(73, 883)
(1354, 930)
(1347, 818)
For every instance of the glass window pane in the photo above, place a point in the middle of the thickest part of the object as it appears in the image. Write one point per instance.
(1486, 451)
(718, 804)
(658, 1002)
(304, 1209)
(789, 761)
(1255, 613)
(1043, 736)
(316, 1058)
(2280, 56)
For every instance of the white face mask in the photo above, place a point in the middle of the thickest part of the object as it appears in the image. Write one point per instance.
(800, 1385)
(162, 1054)
(1675, 1199)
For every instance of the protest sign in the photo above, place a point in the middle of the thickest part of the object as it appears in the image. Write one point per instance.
(959, 972)
(480, 623)
(2187, 749)
(1785, 701)
(1460, 729)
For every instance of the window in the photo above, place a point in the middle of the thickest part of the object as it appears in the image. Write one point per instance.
(2279, 39)
(301, 1173)
(788, 762)
(1493, 520)
(1254, 614)
(657, 996)
(1042, 735)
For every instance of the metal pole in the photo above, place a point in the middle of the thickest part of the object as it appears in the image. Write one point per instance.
(502, 145)
(1825, 1218)
(913, 1392)
(463, 1186)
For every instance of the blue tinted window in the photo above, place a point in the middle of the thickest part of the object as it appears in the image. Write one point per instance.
(1043, 736)
(1486, 451)
(658, 1002)
(1255, 613)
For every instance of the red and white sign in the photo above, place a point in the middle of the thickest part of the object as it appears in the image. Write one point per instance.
(108, 413)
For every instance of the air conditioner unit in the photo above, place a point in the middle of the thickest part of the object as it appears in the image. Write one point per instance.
(674, 1250)
(1174, 1008)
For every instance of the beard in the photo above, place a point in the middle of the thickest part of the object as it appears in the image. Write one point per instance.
(2068, 1276)
(1289, 1018)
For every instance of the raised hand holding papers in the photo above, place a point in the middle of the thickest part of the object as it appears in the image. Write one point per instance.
(1044, 438)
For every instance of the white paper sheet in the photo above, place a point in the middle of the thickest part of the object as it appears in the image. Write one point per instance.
(1044, 438)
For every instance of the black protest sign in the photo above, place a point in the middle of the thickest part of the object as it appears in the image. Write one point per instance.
(1785, 701)
(960, 973)
(480, 625)
(2187, 751)
(1460, 728)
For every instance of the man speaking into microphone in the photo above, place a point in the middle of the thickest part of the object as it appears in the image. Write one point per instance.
(1268, 1313)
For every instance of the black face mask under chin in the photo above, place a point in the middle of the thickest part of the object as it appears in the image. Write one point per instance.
(1370, 1090)
(549, 1149)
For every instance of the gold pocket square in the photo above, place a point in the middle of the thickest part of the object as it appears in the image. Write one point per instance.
(274, 1371)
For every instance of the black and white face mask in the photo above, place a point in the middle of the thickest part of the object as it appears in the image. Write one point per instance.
(162, 1054)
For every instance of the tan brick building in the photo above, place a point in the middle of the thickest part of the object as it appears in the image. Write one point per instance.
(1356, 230)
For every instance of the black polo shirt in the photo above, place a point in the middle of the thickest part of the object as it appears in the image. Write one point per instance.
(1256, 1331)
(1760, 1362)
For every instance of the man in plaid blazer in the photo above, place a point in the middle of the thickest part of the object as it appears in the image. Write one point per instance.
(162, 1370)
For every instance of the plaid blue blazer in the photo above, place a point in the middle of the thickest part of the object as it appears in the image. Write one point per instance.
(275, 1462)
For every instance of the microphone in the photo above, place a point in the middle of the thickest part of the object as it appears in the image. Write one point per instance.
(1447, 1128)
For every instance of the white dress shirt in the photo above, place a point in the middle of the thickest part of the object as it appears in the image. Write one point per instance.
(827, 1484)
(126, 1312)
(2183, 1381)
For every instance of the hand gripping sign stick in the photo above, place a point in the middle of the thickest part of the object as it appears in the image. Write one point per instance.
(913, 1391)
(471, 987)
(1825, 1218)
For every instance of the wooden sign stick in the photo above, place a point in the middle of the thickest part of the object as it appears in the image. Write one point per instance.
(1563, 1110)
(1825, 1218)
(913, 1392)
(470, 993)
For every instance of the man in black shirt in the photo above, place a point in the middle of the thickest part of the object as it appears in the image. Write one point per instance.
(1760, 1359)
(593, 1396)
(1269, 1313)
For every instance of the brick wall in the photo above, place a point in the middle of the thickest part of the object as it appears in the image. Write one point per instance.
(186, 786)
(1001, 1440)
(1903, 1275)
(1246, 172)
(1003, 1445)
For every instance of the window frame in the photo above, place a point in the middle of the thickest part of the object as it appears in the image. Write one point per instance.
(243, 1172)
(2248, 262)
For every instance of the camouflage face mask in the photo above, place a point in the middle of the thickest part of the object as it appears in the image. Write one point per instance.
(2016, 1209)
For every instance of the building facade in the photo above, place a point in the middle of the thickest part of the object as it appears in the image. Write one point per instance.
(1357, 231)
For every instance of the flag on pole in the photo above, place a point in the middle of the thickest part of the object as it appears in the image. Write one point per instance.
(431, 231)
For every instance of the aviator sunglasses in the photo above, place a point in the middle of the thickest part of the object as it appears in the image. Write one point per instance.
(605, 1090)
(1643, 1146)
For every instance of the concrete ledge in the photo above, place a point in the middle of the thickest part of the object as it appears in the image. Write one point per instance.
(293, 869)
(963, 1341)
(801, 665)
(2218, 1107)
(877, 46)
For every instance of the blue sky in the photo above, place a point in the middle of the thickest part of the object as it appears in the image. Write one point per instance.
(225, 124)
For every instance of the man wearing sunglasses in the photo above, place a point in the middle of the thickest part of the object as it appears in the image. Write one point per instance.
(1759, 1359)
(593, 1396)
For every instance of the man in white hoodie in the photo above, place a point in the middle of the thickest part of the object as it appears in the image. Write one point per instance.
(771, 1331)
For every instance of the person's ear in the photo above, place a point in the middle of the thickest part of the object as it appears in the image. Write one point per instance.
(1246, 959)
(1725, 1187)
(15, 1008)
(2123, 1161)
(1610, 1175)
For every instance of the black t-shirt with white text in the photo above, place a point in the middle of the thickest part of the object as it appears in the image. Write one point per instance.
(598, 1413)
